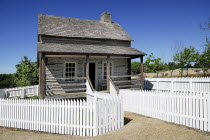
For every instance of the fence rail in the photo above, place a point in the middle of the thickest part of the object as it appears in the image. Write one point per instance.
(194, 84)
(74, 117)
(186, 108)
(22, 91)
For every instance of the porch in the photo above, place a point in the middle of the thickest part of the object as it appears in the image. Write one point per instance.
(66, 72)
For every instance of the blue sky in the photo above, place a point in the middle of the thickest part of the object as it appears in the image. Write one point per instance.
(155, 25)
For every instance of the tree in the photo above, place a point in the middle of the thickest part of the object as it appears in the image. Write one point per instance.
(7, 81)
(135, 67)
(26, 73)
(153, 64)
(185, 58)
(171, 67)
(204, 58)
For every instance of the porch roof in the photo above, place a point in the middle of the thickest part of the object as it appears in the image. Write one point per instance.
(54, 48)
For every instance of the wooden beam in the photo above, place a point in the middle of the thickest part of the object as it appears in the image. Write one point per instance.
(42, 76)
(87, 66)
(108, 72)
(142, 72)
(92, 54)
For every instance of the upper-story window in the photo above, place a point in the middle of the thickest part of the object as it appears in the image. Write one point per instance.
(70, 71)
(105, 72)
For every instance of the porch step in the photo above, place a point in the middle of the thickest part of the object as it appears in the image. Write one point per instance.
(132, 88)
(126, 81)
(66, 84)
(128, 85)
(73, 89)
(80, 95)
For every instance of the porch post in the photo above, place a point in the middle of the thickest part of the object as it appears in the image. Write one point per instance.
(129, 68)
(87, 66)
(108, 72)
(42, 76)
(142, 72)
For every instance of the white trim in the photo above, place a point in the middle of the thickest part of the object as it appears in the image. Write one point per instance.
(64, 71)
(96, 71)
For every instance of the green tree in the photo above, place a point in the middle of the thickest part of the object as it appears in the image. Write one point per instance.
(204, 58)
(171, 67)
(26, 73)
(153, 64)
(135, 67)
(7, 81)
(185, 58)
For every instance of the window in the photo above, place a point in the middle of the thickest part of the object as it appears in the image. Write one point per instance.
(104, 70)
(70, 71)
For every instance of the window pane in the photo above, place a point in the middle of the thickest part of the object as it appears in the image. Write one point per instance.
(70, 71)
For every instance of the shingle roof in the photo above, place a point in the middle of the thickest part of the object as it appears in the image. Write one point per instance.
(88, 49)
(73, 27)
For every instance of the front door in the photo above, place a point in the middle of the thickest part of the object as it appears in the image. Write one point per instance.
(92, 70)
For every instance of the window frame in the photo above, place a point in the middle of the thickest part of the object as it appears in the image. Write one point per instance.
(75, 72)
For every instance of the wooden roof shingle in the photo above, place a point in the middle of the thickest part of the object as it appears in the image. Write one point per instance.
(88, 49)
(82, 28)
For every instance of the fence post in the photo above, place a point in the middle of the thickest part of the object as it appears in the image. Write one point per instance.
(157, 84)
(95, 117)
(37, 91)
(172, 85)
(6, 94)
(191, 87)
(23, 93)
(208, 107)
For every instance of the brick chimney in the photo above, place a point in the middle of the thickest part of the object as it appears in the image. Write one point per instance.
(106, 17)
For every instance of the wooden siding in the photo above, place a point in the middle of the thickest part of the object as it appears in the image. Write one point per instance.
(102, 42)
(55, 69)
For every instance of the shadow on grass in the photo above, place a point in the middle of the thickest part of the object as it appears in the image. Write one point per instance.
(127, 120)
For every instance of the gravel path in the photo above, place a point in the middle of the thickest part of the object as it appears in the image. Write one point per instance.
(139, 128)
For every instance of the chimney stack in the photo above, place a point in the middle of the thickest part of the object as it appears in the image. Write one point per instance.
(106, 17)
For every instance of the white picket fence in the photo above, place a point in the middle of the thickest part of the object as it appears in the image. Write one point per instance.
(186, 108)
(74, 117)
(22, 92)
(179, 84)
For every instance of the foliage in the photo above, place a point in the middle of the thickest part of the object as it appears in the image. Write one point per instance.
(6, 81)
(135, 67)
(204, 58)
(171, 67)
(153, 64)
(26, 73)
(186, 58)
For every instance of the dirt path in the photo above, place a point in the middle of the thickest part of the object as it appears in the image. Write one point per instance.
(139, 128)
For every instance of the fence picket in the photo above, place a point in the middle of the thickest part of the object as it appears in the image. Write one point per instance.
(178, 84)
(62, 116)
(182, 107)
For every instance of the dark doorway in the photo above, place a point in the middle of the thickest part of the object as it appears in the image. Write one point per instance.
(92, 70)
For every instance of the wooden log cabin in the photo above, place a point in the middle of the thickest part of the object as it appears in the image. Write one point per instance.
(72, 50)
